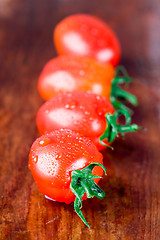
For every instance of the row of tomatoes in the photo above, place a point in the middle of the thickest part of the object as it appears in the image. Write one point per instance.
(81, 114)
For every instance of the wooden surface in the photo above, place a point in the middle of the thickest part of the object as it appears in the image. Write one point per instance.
(131, 209)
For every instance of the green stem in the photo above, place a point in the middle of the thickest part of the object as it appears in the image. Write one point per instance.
(113, 129)
(121, 69)
(82, 182)
(117, 94)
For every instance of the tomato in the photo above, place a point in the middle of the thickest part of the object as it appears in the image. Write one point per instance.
(80, 111)
(70, 73)
(85, 35)
(63, 164)
(83, 112)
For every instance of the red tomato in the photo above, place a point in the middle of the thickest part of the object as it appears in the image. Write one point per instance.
(54, 160)
(85, 35)
(70, 73)
(83, 112)
(55, 155)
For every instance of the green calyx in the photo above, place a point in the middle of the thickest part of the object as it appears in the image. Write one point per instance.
(118, 96)
(82, 182)
(113, 129)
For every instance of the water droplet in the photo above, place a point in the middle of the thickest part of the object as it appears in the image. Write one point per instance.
(98, 97)
(100, 113)
(58, 156)
(82, 107)
(70, 105)
(44, 142)
(87, 113)
(76, 122)
(35, 159)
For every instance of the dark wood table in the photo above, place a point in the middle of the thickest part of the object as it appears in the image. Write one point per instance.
(131, 209)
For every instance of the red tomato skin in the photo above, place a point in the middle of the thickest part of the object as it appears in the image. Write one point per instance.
(80, 111)
(85, 35)
(71, 73)
(55, 155)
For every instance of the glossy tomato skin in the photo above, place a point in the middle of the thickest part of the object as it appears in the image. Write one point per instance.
(85, 35)
(71, 73)
(80, 111)
(55, 155)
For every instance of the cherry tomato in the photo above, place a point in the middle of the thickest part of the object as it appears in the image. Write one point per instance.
(80, 111)
(70, 73)
(62, 162)
(85, 35)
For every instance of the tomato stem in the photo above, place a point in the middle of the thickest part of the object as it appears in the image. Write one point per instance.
(82, 182)
(118, 95)
(113, 129)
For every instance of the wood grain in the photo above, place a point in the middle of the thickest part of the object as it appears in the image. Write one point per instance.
(131, 209)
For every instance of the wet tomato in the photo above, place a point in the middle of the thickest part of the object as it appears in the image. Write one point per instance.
(63, 164)
(85, 35)
(70, 73)
(83, 112)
